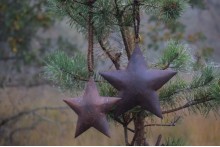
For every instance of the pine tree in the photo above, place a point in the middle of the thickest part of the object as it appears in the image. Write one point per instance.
(113, 26)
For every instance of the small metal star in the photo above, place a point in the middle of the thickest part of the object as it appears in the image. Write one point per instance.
(91, 110)
(137, 85)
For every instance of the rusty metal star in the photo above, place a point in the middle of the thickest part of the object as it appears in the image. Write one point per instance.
(91, 110)
(137, 85)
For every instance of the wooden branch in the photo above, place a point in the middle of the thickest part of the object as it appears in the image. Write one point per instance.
(124, 39)
(77, 77)
(119, 16)
(123, 124)
(23, 113)
(125, 130)
(112, 58)
(33, 126)
(188, 104)
(139, 137)
(158, 140)
(168, 64)
(129, 121)
(168, 125)
(126, 135)
(134, 138)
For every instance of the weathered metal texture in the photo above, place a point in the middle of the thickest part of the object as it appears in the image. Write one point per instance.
(91, 110)
(137, 85)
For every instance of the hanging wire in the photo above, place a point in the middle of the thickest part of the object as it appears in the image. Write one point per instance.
(136, 20)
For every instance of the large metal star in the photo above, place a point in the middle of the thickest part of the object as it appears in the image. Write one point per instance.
(137, 85)
(91, 110)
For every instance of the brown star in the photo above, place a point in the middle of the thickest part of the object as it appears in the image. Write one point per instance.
(91, 110)
(137, 85)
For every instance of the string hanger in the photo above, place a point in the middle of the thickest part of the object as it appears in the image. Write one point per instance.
(136, 20)
(90, 55)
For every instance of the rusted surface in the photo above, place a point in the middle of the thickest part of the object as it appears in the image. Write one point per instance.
(91, 109)
(137, 85)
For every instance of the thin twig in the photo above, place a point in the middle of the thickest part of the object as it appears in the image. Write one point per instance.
(134, 138)
(132, 118)
(120, 23)
(158, 140)
(173, 123)
(76, 76)
(23, 113)
(123, 124)
(188, 104)
(33, 126)
(112, 58)
(126, 135)
(169, 63)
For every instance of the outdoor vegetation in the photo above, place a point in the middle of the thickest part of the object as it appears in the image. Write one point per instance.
(50, 49)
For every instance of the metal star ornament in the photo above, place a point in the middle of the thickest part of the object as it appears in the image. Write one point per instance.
(137, 85)
(91, 110)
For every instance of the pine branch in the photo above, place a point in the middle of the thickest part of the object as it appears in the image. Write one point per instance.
(175, 56)
(112, 58)
(188, 104)
(171, 124)
(121, 27)
(77, 77)
(170, 62)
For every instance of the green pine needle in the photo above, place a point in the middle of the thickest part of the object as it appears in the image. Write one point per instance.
(175, 56)
(172, 9)
(168, 92)
(68, 73)
(203, 78)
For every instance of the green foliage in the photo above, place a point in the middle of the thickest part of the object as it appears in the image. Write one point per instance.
(77, 12)
(175, 56)
(20, 21)
(167, 93)
(110, 15)
(198, 94)
(106, 89)
(68, 73)
(204, 77)
(201, 92)
(172, 9)
(215, 93)
(173, 141)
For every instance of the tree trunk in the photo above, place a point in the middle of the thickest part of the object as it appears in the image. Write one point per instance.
(140, 139)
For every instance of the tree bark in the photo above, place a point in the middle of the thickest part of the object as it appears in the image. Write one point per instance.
(139, 137)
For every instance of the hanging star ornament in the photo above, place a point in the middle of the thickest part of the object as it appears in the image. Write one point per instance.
(137, 85)
(91, 110)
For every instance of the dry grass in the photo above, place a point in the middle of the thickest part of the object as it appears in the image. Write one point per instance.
(59, 127)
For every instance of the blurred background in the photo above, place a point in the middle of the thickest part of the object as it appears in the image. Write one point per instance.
(31, 108)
